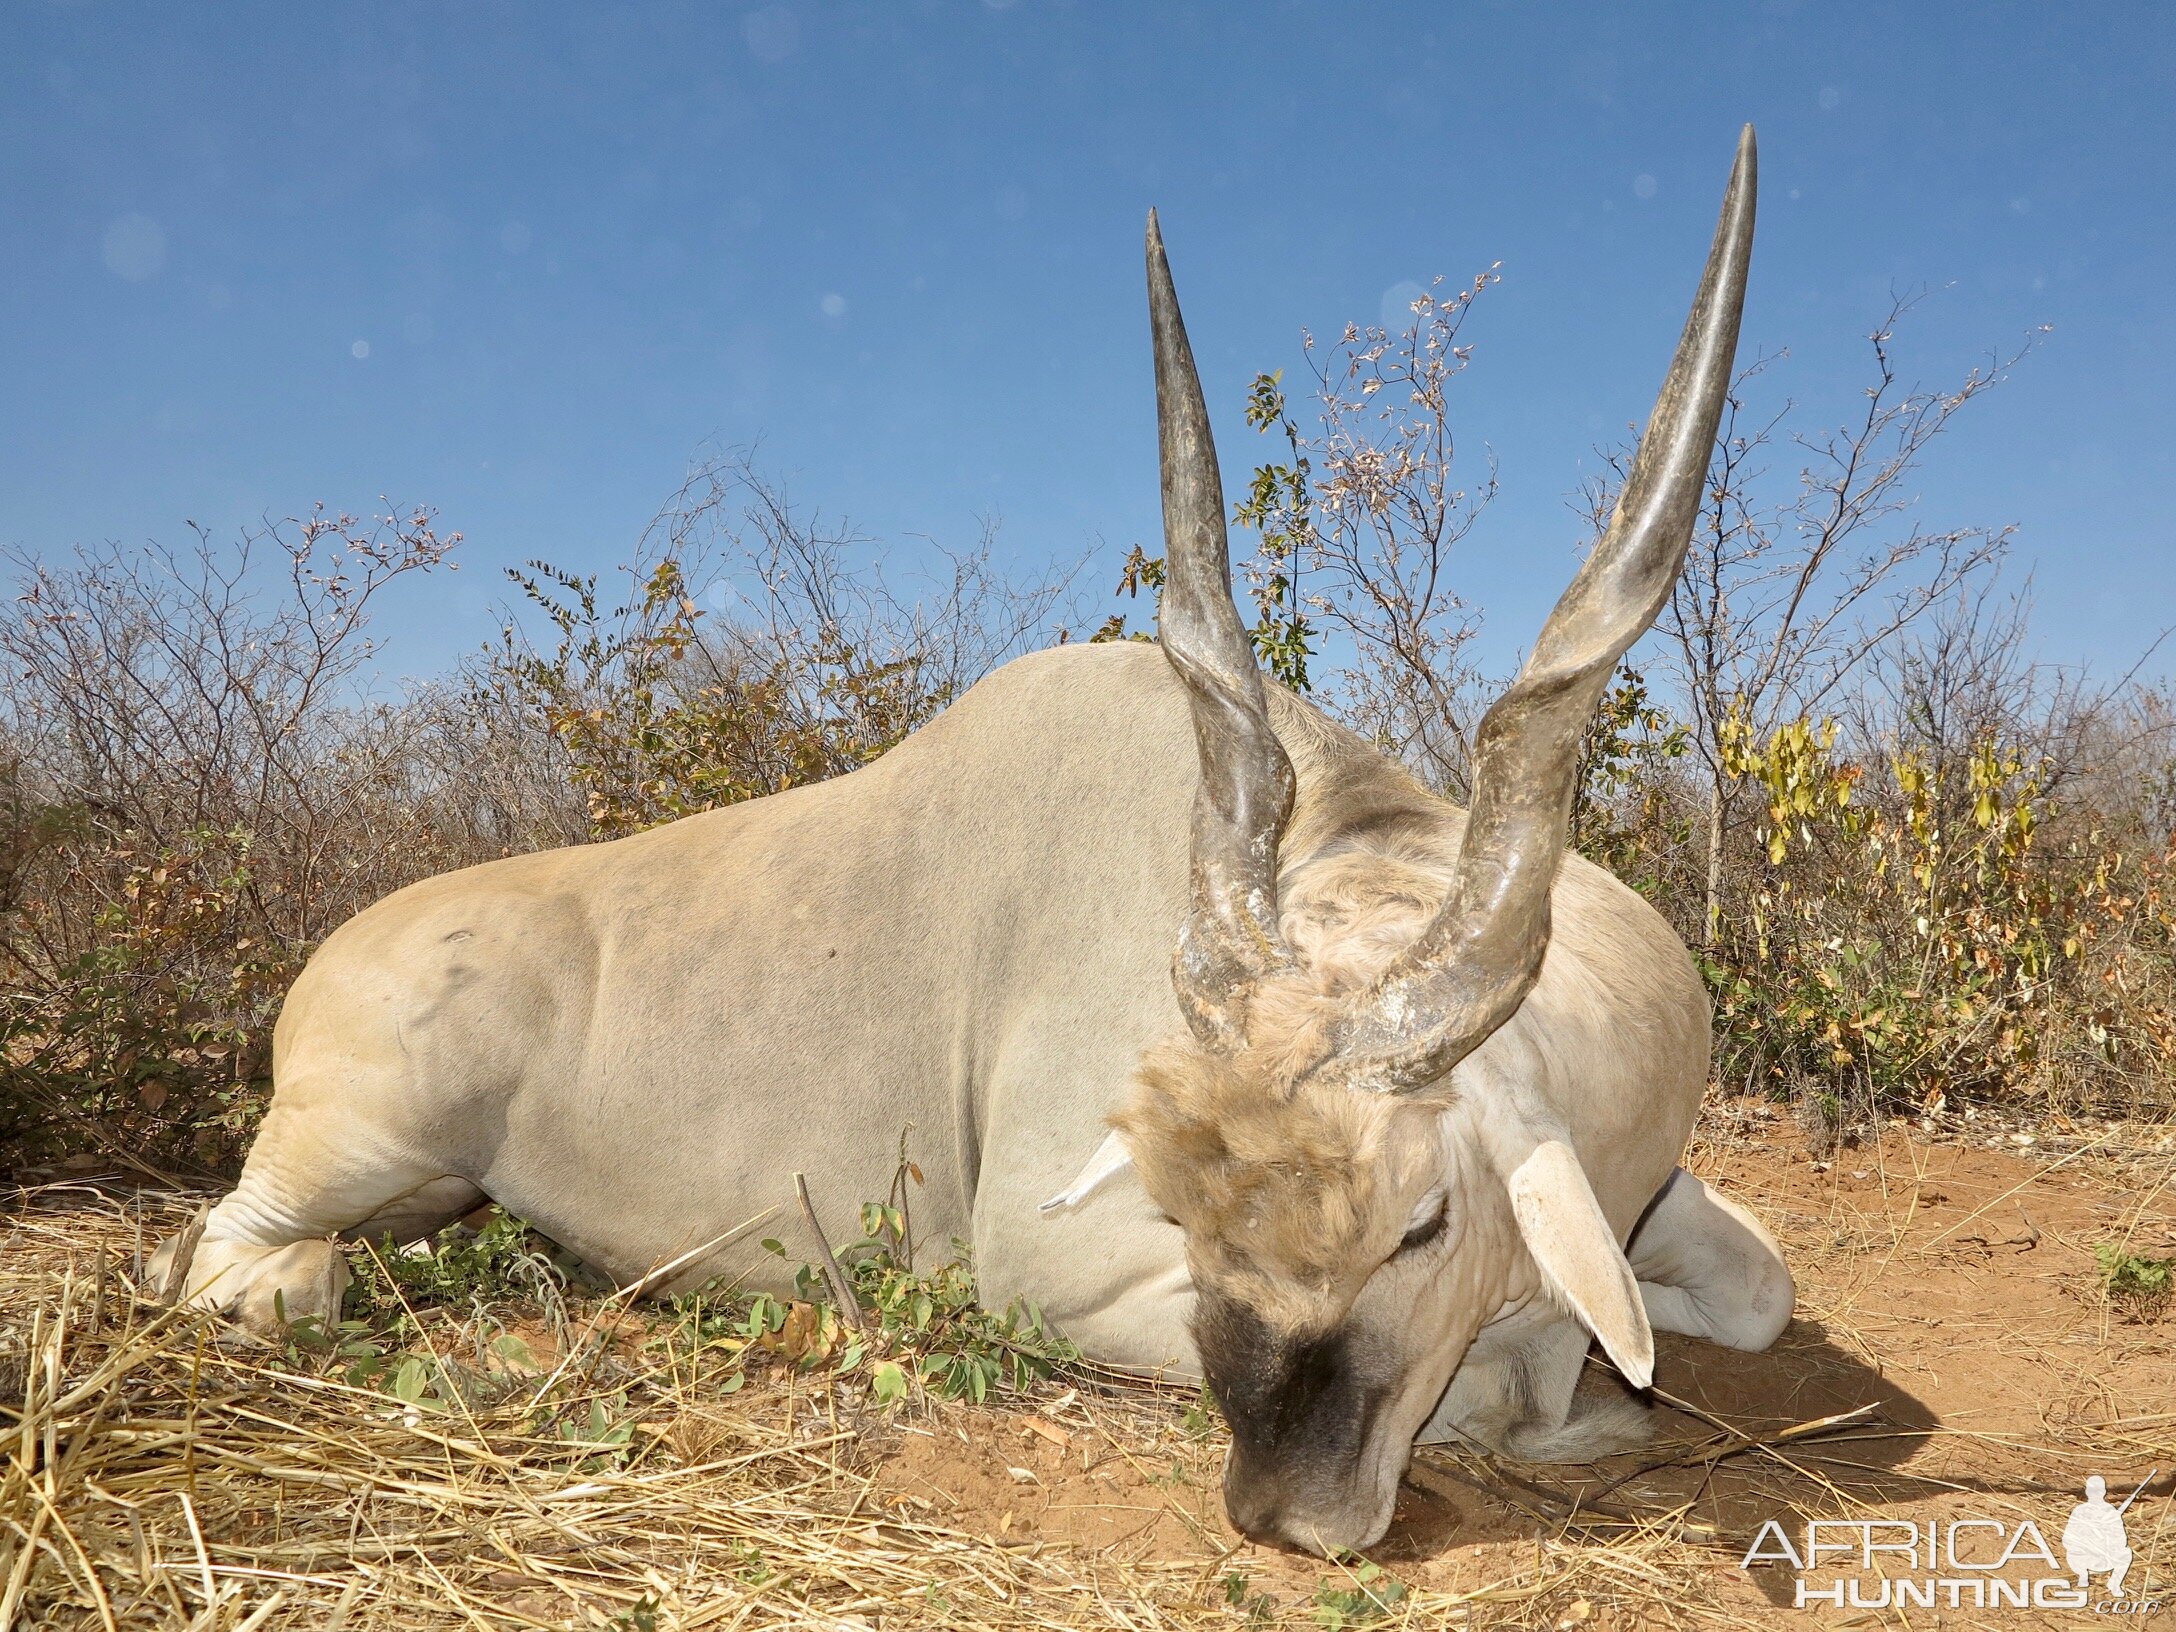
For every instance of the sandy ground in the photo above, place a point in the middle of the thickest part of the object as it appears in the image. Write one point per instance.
(1949, 1304)
(1954, 1359)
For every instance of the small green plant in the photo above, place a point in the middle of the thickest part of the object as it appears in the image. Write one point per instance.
(500, 1261)
(926, 1327)
(888, 1382)
(1137, 572)
(960, 1350)
(463, 1269)
(425, 1384)
(1373, 1594)
(352, 1344)
(1280, 508)
(703, 1322)
(765, 1316)
(1175, 1477)
(2140, 1284)
(1255, 1608)
(1198, 1419)
(368, 1358)
(600, 1435)
(421, 1382)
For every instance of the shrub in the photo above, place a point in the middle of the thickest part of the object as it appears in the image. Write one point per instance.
(194, 787)
(1912, 929)
(748, 656)
(502, 1259)
(200, 778)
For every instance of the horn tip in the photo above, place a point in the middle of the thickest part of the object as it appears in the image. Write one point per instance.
(1159, 265)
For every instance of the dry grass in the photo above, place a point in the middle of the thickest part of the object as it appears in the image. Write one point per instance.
(155, 1477)
(151, 1477)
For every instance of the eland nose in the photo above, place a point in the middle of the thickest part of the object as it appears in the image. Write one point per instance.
(1255, 1511)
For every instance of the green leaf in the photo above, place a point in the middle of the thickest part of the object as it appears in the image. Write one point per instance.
(410, 1381)
(888, 1382)
(515, 1352)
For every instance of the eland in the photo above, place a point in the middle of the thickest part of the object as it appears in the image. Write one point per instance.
(1380, 1151)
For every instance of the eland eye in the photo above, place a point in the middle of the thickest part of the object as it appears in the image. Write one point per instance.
(1425, 1230)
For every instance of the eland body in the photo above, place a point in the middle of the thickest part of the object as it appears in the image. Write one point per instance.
(1396, 1132)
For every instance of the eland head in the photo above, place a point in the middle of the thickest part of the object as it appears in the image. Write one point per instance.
(1352, 1215)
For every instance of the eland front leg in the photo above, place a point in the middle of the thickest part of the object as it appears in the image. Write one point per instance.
(266, 1255)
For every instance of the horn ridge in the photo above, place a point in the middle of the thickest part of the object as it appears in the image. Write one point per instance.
(1471, 968)
(1231, 937)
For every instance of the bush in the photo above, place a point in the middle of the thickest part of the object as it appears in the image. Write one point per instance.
(194, 788)
(801, 668)
(1902, 929)
(200, 777)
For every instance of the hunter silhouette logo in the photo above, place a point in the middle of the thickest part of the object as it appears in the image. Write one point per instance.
(2094, 1540)
(1971, 1562)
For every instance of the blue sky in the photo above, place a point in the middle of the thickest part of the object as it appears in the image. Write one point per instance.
(898, 245)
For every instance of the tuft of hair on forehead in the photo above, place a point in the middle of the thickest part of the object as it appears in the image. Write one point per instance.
(1348, 914)
(1290, 1193)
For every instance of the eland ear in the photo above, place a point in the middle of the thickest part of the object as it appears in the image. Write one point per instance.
(1111, 1157)
(1586, 1271)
